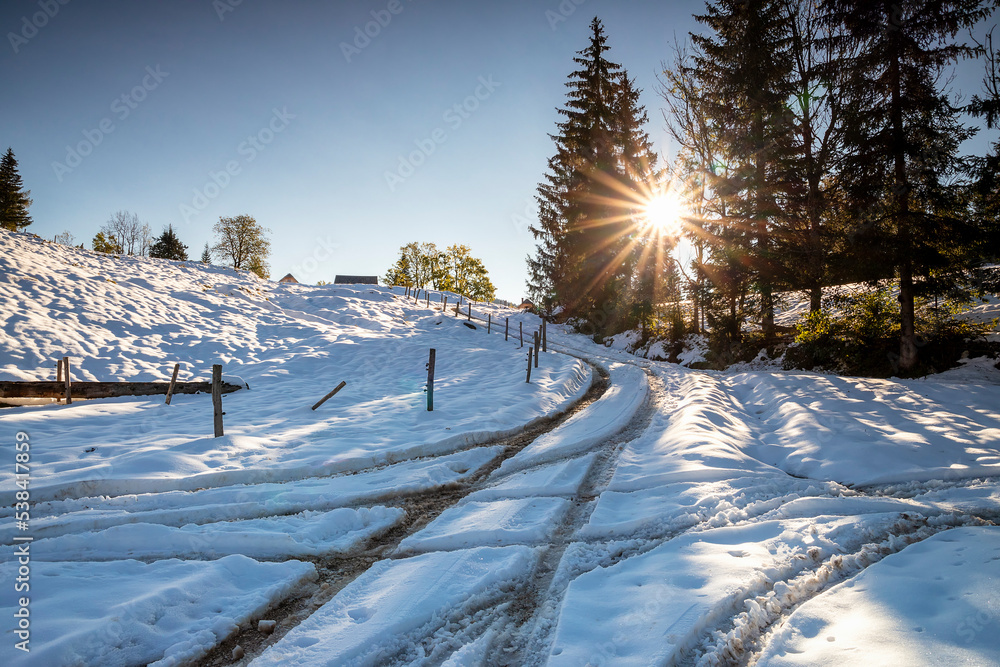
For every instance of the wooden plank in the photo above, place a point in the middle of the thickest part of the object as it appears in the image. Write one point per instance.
(217, 399)
(343, 383)
(105, 389)
(173, 381)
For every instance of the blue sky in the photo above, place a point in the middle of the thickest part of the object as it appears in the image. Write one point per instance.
(346, 147)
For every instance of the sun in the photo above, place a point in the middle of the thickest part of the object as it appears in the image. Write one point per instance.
(663, 212)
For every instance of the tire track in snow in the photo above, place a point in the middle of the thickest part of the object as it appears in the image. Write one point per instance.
(527, 634)
(337, 572)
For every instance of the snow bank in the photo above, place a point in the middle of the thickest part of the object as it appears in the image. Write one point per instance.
(934, 603)
(868, 431)
(503, 522)
(628, 390)
(130, 613)
(307, 534)
(178, 508)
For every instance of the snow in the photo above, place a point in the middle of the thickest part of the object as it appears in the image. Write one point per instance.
(687, 517)
(556, 479)
(592, 425)
(306, 534)
(165, 613)
(868, 431)
(132, 318)
(934, 603)
(177, 508)
(368, 621)
(502, 522)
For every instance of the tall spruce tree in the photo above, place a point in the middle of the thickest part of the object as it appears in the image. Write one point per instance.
(206, 255)
(14, 201)
(744, 68)
(168, 246)
(584, 259)
(904, 134)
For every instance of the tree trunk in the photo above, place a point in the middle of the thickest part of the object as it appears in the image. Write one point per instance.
(907, 329)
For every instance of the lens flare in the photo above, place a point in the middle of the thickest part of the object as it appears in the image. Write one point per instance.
(663, 213)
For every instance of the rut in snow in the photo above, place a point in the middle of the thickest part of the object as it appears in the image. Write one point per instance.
(421, 508)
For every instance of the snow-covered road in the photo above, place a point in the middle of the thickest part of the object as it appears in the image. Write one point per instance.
(613, 512)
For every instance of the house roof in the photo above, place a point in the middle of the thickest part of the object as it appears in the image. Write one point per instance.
(355, 280)
(289, 278)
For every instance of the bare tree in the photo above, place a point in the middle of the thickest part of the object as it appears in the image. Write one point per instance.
(242, 244)
(129, 233)
(65, 238)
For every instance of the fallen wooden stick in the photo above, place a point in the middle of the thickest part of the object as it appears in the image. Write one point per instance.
(323, 400)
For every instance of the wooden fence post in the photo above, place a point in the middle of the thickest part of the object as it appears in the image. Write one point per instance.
(537, 341)
(470, 312)
(545, 336)
(69, 396)
(430, 380)
(489, 322)
(217, 399)
(528, 379)
(506, 328)
(428, 295)
(343, 383)
(444, 304)
(173, 381)
(59, 370)
(520, 332)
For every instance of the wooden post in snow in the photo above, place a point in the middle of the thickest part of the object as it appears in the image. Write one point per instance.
(537, 342)
(520, 332)
(59, 370)
(444, 304)
(173, 381)
(428, 295)
(217, 399)
(343, 383)
(489, 322)
(470, 312)
(545, 336)
(506, 328)
(69, 397)
(528, 379)
(430, 380)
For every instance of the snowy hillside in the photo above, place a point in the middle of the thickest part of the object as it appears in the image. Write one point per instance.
(613, 511)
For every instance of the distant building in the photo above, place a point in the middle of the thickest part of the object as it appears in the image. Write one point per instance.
(355, 280)
(526, 305)
(289, 278)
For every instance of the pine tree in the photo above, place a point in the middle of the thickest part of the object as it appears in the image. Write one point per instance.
(14, 201)
(102, 243)
(904, 136)
(586, 233)
(168, 246)
(206, 255)
(744, 70)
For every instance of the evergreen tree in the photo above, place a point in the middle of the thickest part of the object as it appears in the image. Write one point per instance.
(904, 135)
(206, 255)
(587, 230)
(14, 201)
(168, 246)
(744, 69)
(102, 243)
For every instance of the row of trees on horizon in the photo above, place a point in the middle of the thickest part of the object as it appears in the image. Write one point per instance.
(819, 145)
(453, 269)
